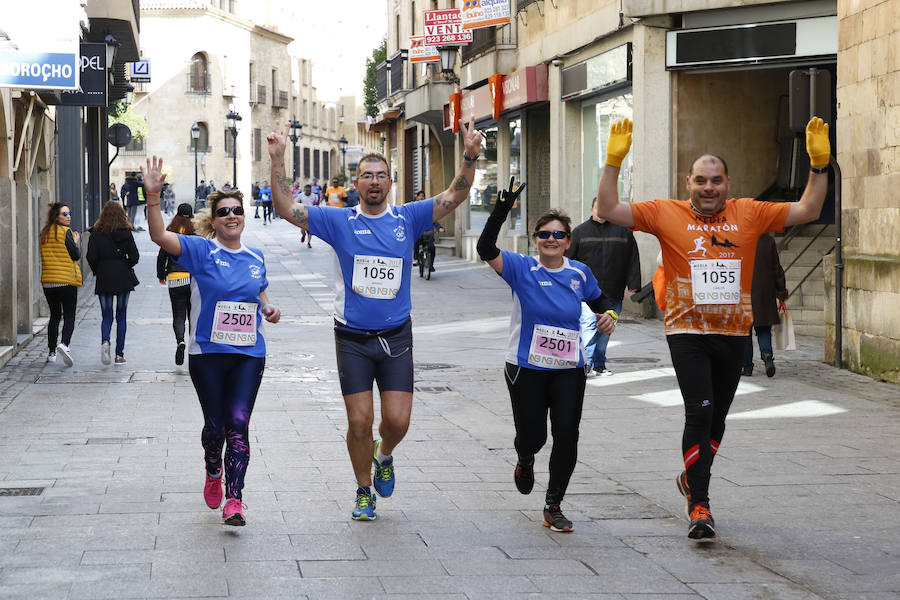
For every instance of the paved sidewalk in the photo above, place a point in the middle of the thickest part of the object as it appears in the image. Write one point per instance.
(805, 489)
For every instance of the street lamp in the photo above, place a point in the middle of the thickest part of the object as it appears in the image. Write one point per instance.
(343, 144)
(195, 137)
(448, 61)
(296, 133)
(233, 123)
(112, 46)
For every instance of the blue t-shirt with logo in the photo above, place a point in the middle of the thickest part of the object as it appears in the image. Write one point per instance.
(373, 266)
(265, 193)
(544, 326)
(220, 275)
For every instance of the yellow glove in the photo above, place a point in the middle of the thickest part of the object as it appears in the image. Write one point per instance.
(619, 142)
(817, 145)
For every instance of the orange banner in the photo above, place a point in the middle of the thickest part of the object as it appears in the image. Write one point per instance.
(495, 82)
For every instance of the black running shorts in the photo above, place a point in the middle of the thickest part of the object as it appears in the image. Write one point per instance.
(364, 357)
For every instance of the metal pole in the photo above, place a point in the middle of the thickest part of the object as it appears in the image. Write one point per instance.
(838, 271)
(234, 149)
(196, 183)
(344, 163)
(294, 142)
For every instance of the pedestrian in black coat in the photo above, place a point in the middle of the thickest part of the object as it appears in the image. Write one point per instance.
(768, 285)
(112, 255)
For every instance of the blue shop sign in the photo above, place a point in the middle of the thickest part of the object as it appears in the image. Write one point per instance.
(39, 70)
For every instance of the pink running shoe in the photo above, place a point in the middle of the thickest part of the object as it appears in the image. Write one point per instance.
(233, 513)
(212, 491)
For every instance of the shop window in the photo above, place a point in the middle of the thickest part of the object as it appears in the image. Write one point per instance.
(596, 117)
(483, 193)
(515, 170)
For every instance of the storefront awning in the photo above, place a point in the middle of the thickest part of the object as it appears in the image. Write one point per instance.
(518, 89)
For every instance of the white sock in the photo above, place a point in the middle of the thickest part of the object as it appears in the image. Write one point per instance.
(381, 457)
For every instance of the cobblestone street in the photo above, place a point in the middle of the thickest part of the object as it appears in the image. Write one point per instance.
(805, 488)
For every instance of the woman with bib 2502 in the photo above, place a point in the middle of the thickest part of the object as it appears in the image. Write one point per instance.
(545, 360)
(227, 350)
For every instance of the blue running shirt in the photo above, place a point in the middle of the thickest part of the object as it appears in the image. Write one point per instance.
(544, 326)
(373, 260)
(225, 287)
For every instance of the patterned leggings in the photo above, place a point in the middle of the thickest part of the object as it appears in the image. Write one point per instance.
(226, 385)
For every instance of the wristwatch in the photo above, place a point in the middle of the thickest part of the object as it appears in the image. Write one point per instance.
(469, 160)
(819, 170)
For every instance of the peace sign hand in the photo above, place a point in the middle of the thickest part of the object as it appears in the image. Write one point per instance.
(472, 138)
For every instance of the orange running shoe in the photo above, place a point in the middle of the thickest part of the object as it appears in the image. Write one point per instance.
(702, 523)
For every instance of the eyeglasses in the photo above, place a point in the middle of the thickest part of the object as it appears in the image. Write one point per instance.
(382, 176)
(557, 235)
(64, 214)
(223, 211)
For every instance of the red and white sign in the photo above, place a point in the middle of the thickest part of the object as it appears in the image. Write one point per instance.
(420, 53)
(484, 13)
(444, 28)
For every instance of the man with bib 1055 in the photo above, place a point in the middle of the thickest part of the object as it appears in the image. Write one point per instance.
(373, 243)
(708, 246)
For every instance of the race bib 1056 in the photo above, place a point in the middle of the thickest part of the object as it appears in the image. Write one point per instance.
(377, 277)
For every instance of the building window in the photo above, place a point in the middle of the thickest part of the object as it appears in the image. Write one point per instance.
(306, 163)
(274, 86)
(257, 144)
(325, 170)
(316, 164)
(198, 76)
(202, 141)
(412, 19)
(515, 170)
(484, 188)
(305, 113)
(135, 146)
(315, 115)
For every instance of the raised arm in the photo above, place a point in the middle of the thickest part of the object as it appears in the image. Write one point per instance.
(818, 147)
(608, 205)
(453, 196)
(282, 198)
(153, 182)
(487, 242)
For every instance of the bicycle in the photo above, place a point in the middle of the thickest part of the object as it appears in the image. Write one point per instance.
(425, 255)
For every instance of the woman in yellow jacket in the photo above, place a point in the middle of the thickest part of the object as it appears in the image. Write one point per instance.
(60, 277)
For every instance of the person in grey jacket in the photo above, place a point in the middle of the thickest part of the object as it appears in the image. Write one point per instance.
(610, 252)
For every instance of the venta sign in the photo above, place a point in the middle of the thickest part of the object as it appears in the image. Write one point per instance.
(444, 28)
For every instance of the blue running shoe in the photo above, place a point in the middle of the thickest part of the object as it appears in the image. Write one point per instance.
(384, 474)
(365, 505)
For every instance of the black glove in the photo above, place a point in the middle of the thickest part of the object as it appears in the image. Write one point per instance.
(487, 242)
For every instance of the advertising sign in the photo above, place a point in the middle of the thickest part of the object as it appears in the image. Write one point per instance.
(39, 70)
(420, 53)
(444, 28)
(92, 88)
(484, 13)
(140, 71)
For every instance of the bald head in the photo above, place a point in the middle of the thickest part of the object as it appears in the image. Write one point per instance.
(708, 158)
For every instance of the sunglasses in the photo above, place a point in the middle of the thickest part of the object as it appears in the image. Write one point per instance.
(557, 235)
(223, 211)
(64, 214)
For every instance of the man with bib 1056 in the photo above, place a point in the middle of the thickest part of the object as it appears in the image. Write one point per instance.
(373, 245)
(709, 247)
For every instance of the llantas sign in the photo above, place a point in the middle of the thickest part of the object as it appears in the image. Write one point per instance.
(444, 28)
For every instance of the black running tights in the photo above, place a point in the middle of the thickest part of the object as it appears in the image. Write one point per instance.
(708, 368)
(533, 393)
(62, 301)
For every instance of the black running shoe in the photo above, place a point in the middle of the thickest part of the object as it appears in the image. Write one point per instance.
(702, 523)
(524, 477)
(555, 520)
(179, 354)
(684, 489)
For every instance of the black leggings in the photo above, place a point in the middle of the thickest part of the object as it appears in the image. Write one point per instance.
(708, 368)
(62, 301)
(533, 392)
(180, 298)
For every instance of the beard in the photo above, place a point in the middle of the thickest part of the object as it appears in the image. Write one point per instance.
(370, 201)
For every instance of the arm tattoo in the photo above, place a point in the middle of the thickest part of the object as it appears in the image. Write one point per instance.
(461, 183)
(300, 218)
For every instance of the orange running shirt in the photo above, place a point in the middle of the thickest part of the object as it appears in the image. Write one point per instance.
(708, 261)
